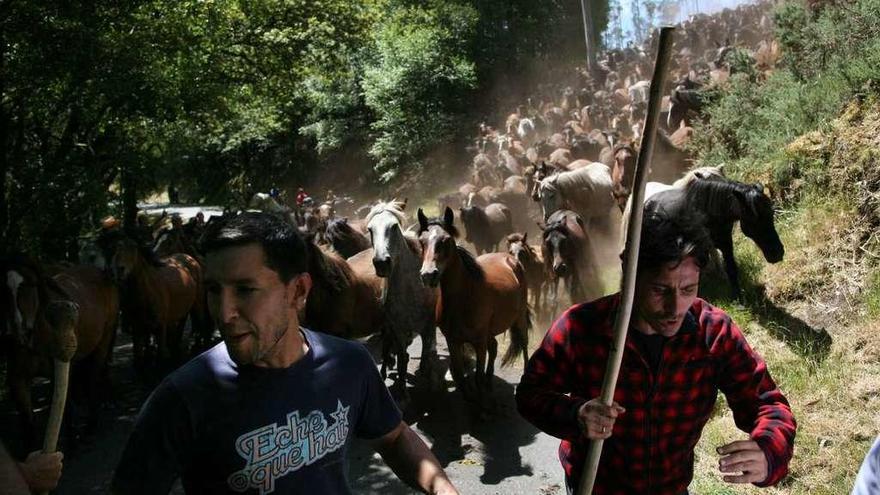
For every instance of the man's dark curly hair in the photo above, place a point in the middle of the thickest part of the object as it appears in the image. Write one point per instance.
(285, 250)
(671, 237)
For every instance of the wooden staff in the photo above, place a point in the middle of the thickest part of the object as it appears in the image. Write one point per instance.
(62, 317)
(633, 237)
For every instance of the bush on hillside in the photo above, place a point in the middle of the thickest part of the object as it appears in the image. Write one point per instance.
(828, 57)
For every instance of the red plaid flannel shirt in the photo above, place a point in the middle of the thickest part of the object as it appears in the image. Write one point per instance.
(651, 449)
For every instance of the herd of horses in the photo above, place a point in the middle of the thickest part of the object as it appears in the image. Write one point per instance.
(378, 271)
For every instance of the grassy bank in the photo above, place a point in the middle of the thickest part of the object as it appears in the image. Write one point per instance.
(811, 133)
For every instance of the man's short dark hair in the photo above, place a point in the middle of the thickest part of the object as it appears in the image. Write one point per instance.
(670, 238)
(285, 250)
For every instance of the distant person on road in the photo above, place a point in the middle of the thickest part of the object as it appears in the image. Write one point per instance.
(868, 479)
(274, 407)
(300, 197)
(680, 351)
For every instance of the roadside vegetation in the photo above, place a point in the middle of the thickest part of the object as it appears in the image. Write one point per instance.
(810, 132)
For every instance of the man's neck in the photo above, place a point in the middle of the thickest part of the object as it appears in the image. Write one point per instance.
(289, 349)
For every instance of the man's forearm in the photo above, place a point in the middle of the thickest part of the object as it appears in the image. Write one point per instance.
(414, 463)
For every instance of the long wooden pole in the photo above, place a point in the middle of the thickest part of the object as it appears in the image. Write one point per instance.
(633, 238)
(587, 15)
(62, 316)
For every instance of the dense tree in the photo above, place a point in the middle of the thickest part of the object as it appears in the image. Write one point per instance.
(220, 99)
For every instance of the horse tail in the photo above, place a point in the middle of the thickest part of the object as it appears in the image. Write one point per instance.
(519, 339)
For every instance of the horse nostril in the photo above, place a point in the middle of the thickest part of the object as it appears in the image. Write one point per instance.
(561, 269)
(381, 265)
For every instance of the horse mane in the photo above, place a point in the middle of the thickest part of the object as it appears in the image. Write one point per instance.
(149, 255)
(394, 207)
(451, 229)
(700, 173)
(45, 283)
(339, 229)
(413, 242)
(716, 194)
(329, 269)
(471, 266)
(517, 237)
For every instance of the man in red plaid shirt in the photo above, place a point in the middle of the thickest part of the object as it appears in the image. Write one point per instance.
(680, 351)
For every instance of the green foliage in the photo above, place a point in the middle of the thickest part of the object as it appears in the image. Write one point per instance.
(418, 84)
(827, 58)
(220, 99)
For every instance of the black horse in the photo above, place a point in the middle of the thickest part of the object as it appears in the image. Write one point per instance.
(723, 203)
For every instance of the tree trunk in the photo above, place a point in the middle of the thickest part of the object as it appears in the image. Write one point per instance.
(129, 199)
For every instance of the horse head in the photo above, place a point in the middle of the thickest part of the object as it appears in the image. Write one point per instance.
(126, 259)
(385, 226)
(559, 242)
(25, 291)
(437, 237)
(518, 247)
(756, 221)
(550, 196)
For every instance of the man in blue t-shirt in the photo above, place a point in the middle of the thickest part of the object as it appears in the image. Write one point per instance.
(273, 408)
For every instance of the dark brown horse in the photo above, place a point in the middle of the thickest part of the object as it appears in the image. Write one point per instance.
(345, 239)
(345, 299)
(480, 298)
(28, 297)
(567, 257)
(485, 227)
(157, 297)
(533, 265)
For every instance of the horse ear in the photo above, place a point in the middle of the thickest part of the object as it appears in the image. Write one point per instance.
(448, 217)
(423, 220)
(525, 237)
(405, 200)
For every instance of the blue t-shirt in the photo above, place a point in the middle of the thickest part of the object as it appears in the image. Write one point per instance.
(223, 428)
(868, 479)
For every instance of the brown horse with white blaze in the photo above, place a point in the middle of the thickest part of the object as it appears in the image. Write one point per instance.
(480, 298)
(28, 303)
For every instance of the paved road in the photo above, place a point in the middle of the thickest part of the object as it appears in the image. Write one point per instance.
(501, 455)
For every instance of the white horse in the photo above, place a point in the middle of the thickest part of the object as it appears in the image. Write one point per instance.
(409, 305)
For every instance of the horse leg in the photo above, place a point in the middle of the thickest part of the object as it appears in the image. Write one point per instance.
(140, 340)
(428, 365)
(538, 293)
(490, 363)
(456, 367)
(482, 387)
(725, 245)
(162, 353)
(402, 363)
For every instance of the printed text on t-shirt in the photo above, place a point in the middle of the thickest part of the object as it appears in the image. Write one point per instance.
(273, 451)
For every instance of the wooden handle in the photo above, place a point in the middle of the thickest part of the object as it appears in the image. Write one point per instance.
(633, 238)
(62, 317)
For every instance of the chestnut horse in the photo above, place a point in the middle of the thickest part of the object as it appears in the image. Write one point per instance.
(345, 299)
(28, 295)
(157, 297)
(480, 298)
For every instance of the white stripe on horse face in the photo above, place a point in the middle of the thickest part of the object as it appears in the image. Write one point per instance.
(13, 281)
